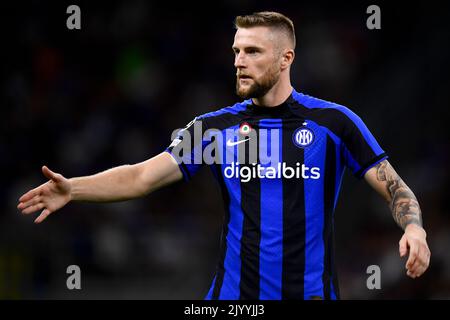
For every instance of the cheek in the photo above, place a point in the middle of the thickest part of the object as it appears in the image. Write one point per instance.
(262, 69)
(269, 66)
(276, 65)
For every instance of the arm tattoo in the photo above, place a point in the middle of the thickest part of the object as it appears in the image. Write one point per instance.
(403, 204)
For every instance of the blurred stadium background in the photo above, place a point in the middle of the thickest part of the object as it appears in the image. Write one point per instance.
(113, 92)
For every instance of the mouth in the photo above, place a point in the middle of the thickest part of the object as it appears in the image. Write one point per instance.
(244, 77)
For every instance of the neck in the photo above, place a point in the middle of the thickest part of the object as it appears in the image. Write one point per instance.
(276, 95)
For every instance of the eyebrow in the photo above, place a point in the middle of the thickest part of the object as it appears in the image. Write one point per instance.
(248, 48)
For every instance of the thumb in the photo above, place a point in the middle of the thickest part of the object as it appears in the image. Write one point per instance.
(49, 174)
(403, 246)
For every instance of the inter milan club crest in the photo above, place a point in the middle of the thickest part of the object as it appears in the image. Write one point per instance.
(303, 136)
(245, 129)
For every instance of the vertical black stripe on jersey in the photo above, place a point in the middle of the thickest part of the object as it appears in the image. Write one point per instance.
(220, 272)
(293, 221)
(251, 232)
(329, 194)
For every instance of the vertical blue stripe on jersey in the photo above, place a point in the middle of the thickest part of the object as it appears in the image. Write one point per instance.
(340, 169)
(271, 247)
(314, 156)
(210, 292)
(230, 287)
(352, 163)
(333, 292)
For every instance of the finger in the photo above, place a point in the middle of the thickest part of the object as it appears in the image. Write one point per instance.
(418, 261)
(424, 258)
(425, 266)
(412, 256)
(34, 208)
(409, 265)
(415, 249)
(31, 202)
(403, 247)
(421, 263)
(50, 174)
(420, 271)
(428, 257)
(44, 214)
(30, 194)
(410, 274)
(414, 269)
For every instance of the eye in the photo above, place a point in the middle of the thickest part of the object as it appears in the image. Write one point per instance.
(252, 51)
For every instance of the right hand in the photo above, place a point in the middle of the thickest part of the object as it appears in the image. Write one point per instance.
(50, 196)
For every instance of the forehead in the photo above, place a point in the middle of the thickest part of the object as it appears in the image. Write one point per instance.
(255, 36)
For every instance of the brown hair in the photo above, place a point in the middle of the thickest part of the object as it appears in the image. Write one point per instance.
(268, 19)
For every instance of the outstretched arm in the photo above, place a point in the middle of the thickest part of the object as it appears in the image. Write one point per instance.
(406, 212)
(116, 184)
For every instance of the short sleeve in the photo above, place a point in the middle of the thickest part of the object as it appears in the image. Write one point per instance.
(361, 151)
(187, 147)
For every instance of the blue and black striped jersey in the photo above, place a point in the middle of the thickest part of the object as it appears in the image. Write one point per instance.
(277, 238)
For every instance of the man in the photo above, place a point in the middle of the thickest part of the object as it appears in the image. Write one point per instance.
(280, 170)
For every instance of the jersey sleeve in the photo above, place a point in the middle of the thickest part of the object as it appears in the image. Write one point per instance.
(361, 151)
(187, 147)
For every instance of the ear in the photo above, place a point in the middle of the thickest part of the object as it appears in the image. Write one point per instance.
(287, 58)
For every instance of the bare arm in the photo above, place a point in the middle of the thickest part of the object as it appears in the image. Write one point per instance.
(127, 181)
(406, 212)
(116, 184)
(402, 201)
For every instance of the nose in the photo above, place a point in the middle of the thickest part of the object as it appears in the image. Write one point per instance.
(239, 61)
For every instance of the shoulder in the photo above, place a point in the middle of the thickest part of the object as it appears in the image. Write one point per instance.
(328, 112)
(224, 117)
(311, 102)
(229, 110)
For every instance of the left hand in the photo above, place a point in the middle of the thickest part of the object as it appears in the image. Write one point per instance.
(414, 239)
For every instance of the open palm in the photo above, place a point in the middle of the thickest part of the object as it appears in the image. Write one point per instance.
(50, 196)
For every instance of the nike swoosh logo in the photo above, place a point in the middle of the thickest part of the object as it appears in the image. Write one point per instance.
(231, 143)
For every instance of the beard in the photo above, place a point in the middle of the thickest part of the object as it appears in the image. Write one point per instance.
(258, 88)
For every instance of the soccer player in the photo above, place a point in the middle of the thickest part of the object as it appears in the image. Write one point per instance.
(280, 194)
